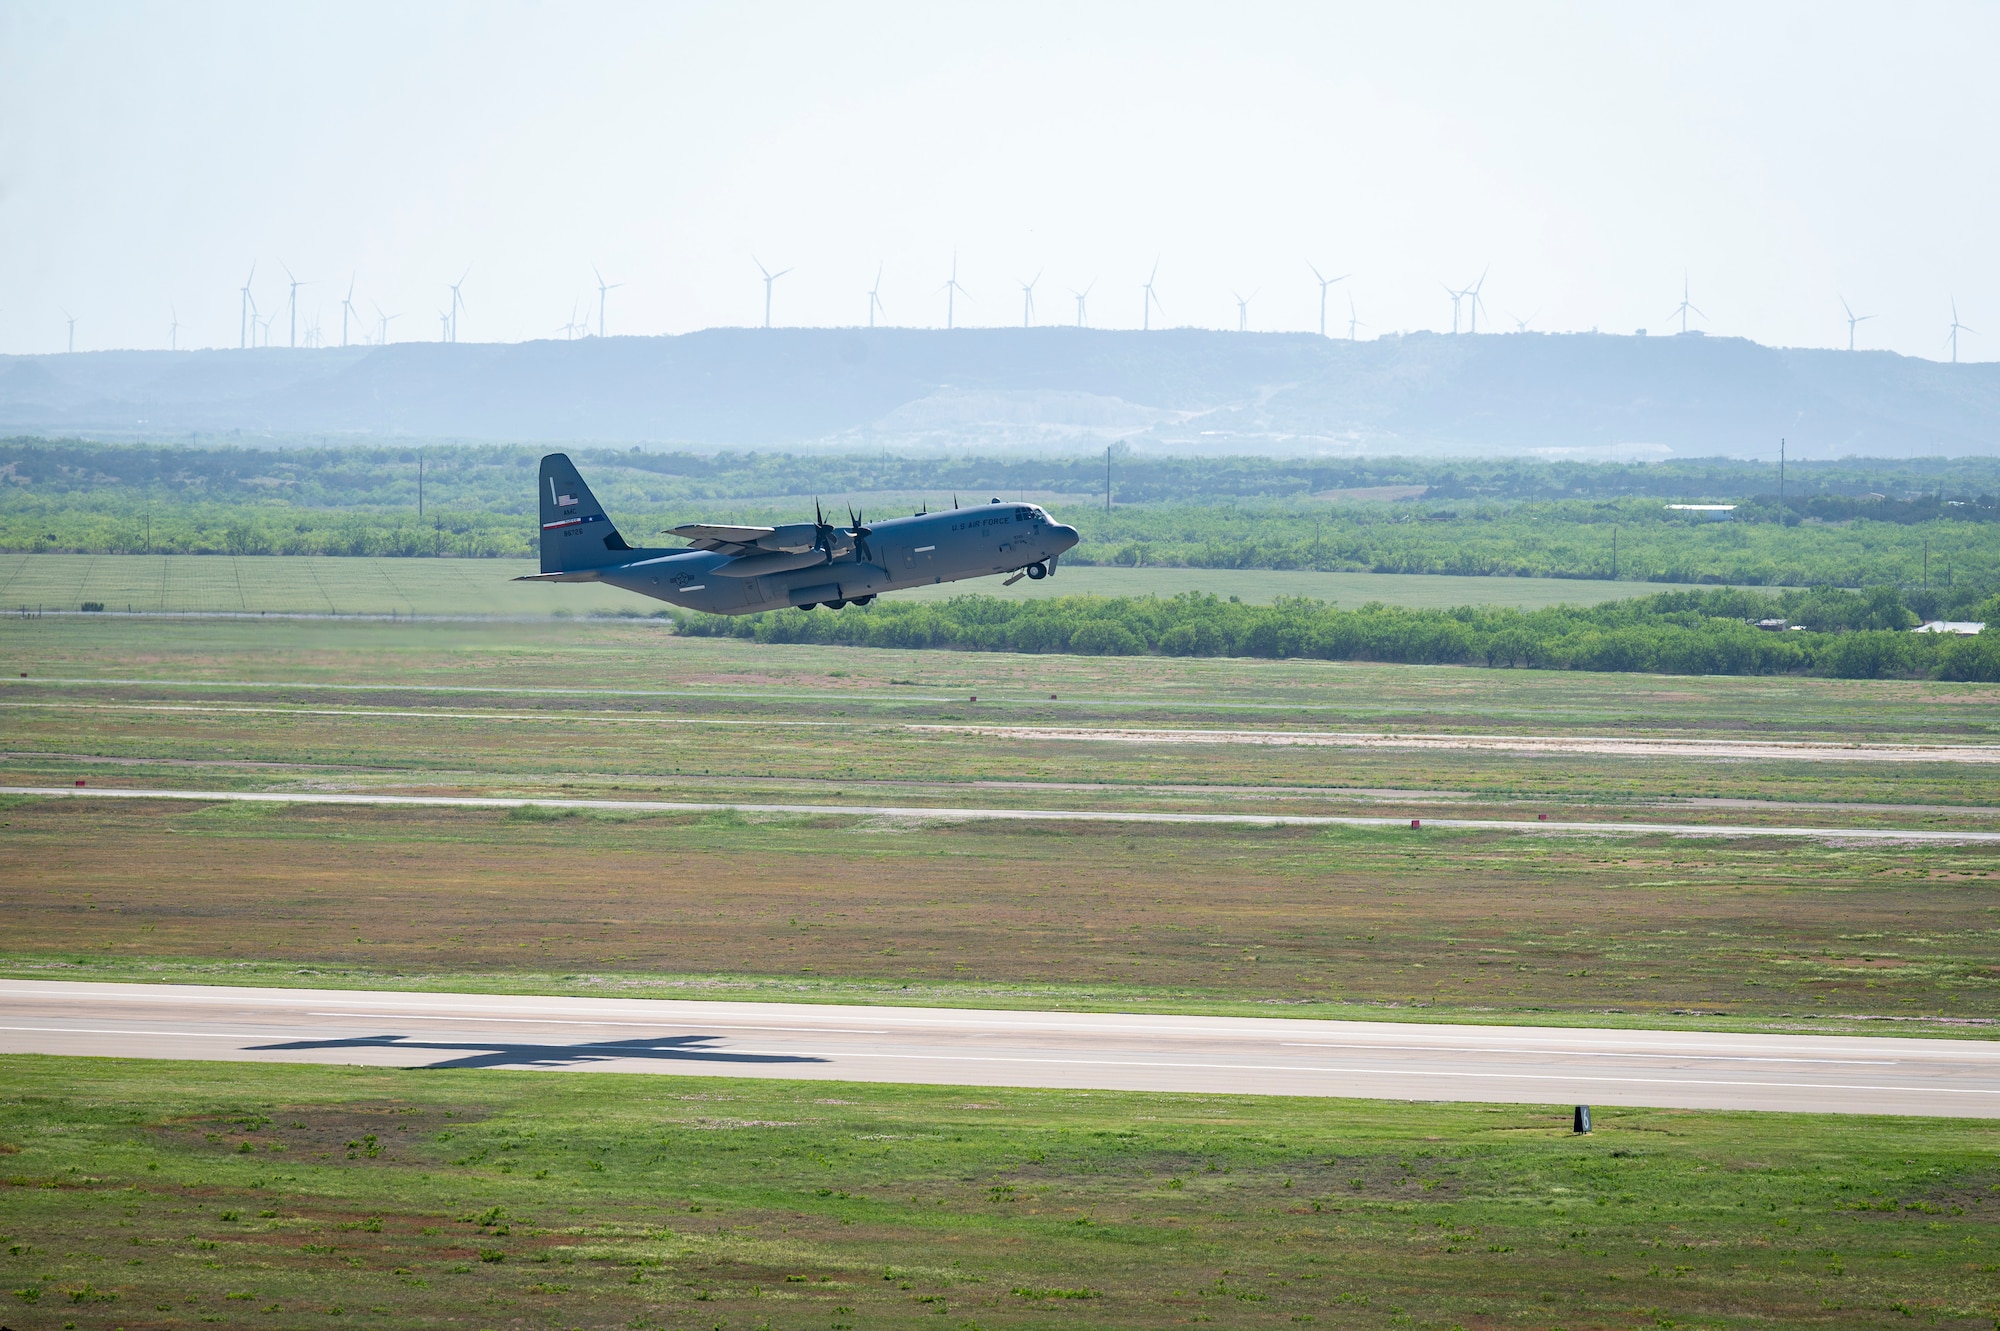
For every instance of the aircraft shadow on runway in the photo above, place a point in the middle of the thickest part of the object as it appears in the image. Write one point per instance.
(497, 1053)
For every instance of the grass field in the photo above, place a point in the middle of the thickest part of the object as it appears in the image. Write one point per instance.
(1212, 918)
(252, 584)
(1486, 925)
(169, 1195)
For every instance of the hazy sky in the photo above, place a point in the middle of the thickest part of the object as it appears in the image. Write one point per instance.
(1781, 155)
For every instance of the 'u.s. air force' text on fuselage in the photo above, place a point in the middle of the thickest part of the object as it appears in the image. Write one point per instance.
(737, 570)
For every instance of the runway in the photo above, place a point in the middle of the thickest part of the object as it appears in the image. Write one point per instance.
(969, 1047)
(965, 814)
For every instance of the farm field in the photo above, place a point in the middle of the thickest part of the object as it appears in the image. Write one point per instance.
(1479, 925)
(314, 584)
(166, 1194)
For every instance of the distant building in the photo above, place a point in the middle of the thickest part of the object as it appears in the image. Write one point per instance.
(1705, 512)
(1964, 628)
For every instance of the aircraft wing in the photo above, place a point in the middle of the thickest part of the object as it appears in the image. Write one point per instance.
(712, 536)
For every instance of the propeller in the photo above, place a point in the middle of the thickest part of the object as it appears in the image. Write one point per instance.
(860, 532)
(824, 532)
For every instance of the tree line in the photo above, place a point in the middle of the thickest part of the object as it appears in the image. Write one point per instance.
(1845, 634)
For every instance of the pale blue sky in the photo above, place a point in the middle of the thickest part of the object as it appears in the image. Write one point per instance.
(1782, 155)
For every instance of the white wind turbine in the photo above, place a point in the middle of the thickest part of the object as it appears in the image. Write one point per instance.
(244, 315)
(1352, 322)
(952, 290)
(1028, 301)
(1520, 324)
(1686, 307)
(347, 309)
(1956, 329)
(174, 333)
(1151, 300)
(1475, 302)
(1243, 311)
(1082, 298)
(382, 335)
(875, 297)
(603, 289)
(457, 301)
(292, 339)
(769, 278)
(1852, 319)
(1324, 283)
(1457, 300)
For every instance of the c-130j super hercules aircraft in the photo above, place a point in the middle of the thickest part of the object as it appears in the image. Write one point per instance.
(740, 570)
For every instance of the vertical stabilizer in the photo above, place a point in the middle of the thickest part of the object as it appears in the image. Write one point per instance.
(576, 534)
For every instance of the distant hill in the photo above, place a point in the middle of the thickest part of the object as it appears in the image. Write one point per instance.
(997, 390)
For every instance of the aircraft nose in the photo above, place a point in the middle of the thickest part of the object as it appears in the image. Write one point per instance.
(1064, 537)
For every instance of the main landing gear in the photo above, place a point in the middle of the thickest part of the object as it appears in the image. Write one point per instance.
(1036, 572)
(839, 605)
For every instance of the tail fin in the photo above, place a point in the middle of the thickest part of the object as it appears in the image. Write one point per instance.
(575, 532)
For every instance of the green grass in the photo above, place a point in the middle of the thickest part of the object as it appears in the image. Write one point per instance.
(171, 1194)
(314, 584)
(1166, 917)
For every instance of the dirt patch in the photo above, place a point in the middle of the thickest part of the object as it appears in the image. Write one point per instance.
(383, 1134)
(1787, 750)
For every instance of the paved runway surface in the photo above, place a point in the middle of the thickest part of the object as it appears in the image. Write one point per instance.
(1229, 1055)
(1006, 815)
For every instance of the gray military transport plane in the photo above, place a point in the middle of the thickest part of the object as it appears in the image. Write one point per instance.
(740, 570)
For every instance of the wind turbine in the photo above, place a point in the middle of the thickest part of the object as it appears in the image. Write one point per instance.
(457, 301)
(1686, 306)
(1146, 306)
(1956, 329)
(346, 309)
(243, 316)
(769, 278)
(603, 289)
(293, 337)
(1457, 297)
(382, 338)
(1472, 309)
(952, 290)
(174, 334)
(72, 330)
(568, 330)
(1243, 311)
(875, 296)
(1352, 322)
(444, 326)
(1028, 301)
(1081, 298)
(1853, 319)
(1324, 283)
(1520, 324)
